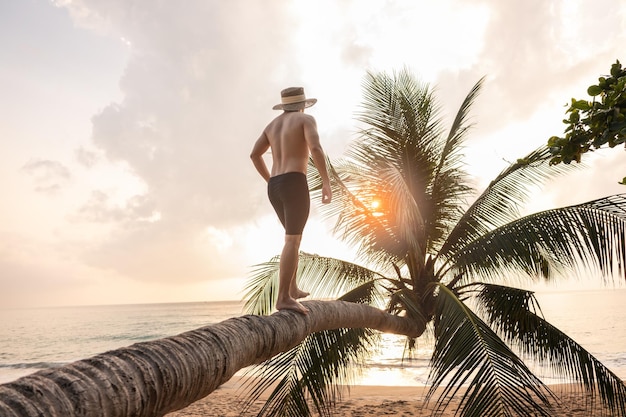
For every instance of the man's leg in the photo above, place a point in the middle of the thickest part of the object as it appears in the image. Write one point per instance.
(287, 275)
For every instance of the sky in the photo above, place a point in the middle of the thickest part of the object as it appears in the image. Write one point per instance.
(126, 126)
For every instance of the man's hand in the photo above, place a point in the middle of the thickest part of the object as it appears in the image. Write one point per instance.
(327, 194)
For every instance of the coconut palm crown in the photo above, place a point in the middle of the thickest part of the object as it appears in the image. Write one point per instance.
(401, 199)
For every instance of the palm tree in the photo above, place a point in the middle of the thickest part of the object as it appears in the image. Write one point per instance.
(424, 253)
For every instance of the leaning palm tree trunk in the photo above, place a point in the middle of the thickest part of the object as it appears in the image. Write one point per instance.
(157, 377)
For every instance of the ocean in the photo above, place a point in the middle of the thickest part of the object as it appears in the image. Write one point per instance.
(39, 338)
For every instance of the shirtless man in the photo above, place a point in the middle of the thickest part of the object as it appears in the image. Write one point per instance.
(291, 136)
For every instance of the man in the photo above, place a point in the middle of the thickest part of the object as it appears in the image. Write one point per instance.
(291, 136)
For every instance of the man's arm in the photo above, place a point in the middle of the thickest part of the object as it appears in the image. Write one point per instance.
(260, 147)
(319, 159)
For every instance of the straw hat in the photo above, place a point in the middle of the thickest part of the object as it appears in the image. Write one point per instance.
(293, 98)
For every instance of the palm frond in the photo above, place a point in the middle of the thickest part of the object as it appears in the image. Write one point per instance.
(329, 277)
(366, 293)
(405, 301)
(402, 161)
(451, 154)
(400, 149)
(400, 114)
(450, 180)
(514, 313)
(506, 308)
(501, 201)
(592, 235)
(261, 289)
(358, 222)
(314, 370)
(324, 277)
(468, 351)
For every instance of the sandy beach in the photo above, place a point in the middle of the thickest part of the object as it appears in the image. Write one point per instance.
(374, 401)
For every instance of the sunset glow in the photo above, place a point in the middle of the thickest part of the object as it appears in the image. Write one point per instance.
(126, 129)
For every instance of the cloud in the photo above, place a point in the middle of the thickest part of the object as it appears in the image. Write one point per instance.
(101, 209)
(86, 158)
(195, 98)
(49, 176)
(534, 59)
(197, 91)
(202, 76)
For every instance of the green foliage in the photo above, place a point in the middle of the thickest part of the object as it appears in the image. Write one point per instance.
(528, 245)
(515, 314)
(399, 196)
(314, 369)
(596, 123)
(467, 350)
(326, 277)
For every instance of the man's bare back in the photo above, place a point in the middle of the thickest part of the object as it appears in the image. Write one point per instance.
(287, 135)
(291, 137)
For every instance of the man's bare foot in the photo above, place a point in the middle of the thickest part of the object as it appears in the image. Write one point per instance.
(291, 304)
(298, 294)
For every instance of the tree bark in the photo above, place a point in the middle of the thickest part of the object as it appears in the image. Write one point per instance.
(156, 377)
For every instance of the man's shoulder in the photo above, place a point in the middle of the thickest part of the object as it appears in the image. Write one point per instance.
(291, 117)
(290, 120)
(305, 118)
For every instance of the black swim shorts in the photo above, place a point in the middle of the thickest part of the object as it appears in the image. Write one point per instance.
(289, 195)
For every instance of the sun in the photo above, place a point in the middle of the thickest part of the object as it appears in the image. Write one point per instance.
(376, 207)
